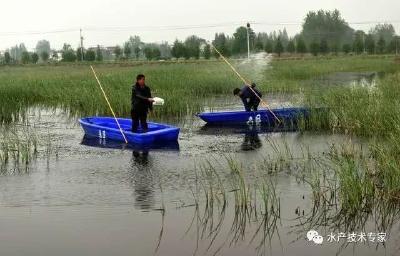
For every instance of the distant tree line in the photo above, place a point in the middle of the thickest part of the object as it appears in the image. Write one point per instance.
(323, 32)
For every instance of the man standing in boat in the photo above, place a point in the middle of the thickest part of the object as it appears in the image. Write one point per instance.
(250, 97)
(142, 103)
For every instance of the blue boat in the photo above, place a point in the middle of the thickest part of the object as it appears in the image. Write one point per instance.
(261, 116)
(107, 128)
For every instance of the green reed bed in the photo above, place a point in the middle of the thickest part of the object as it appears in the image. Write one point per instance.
(183, 86)
(366, 112)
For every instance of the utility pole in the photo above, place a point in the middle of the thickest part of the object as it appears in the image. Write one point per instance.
(248, 41)
(81, 37)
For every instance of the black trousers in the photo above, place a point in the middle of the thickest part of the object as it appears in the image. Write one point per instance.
(252, 105)
(139, 116)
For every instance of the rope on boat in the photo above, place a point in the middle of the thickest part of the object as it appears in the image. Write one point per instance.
(109, 105)
(263, 103)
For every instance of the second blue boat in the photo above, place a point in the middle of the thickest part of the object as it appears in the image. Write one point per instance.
(261, 116)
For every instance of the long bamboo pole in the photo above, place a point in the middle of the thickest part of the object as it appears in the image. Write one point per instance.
(109, 105)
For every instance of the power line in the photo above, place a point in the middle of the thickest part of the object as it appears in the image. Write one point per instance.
(175, 27)
(124, 28)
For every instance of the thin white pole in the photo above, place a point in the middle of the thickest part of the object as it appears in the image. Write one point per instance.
(248, 41)
(81, 37)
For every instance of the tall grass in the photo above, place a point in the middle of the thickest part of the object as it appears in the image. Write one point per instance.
(184, 86)
(17, 149)
(361, 111)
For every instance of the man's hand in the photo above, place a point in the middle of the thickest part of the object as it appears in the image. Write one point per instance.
(150, 99)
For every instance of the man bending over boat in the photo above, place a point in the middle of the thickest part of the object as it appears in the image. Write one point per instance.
(142, 102)
(248, 96)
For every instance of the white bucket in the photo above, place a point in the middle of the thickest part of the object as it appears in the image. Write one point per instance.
(158, 101)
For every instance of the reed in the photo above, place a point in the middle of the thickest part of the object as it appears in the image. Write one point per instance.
(185, 86)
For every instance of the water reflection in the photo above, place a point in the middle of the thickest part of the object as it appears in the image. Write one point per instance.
(353, 79)
(142, 180)
(141, 158)
(251, 139)
(143, 175)
(104, 143)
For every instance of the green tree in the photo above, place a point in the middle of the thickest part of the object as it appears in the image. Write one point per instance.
(152, 53)
(358, 44)
(269, 47)
(370, 44)
(135, 43)
(25, 57)
(68, 54)
(156, 53)
(346, 48)
(221, 43)
(127, 50)
(117, 52)
(381, 45)
(328, 25)
(99, 54)
(291, 47)
(315, 48)
(259, 42)
(279, 47)
(44, 56)
(80, 54)
(323, 47)
(240, 40)
(385, 30)
(16, 51)
(283, 35)
(178, 49)
(7, 58)
(34, 58)
(43, 46)
(137, 52)
(394, 45)
(192, 46)
(301, 45)
(90, 55)
(207, 51)
(148, 53)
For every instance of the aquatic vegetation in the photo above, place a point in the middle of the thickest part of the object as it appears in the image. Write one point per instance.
(21, 145)
(17, 149)
(360, 111)
(254, 204)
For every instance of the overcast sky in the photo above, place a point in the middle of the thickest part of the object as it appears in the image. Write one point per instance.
(26, 20)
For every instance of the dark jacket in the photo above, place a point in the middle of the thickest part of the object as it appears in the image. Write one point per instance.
(247, 95)
(140, 98)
